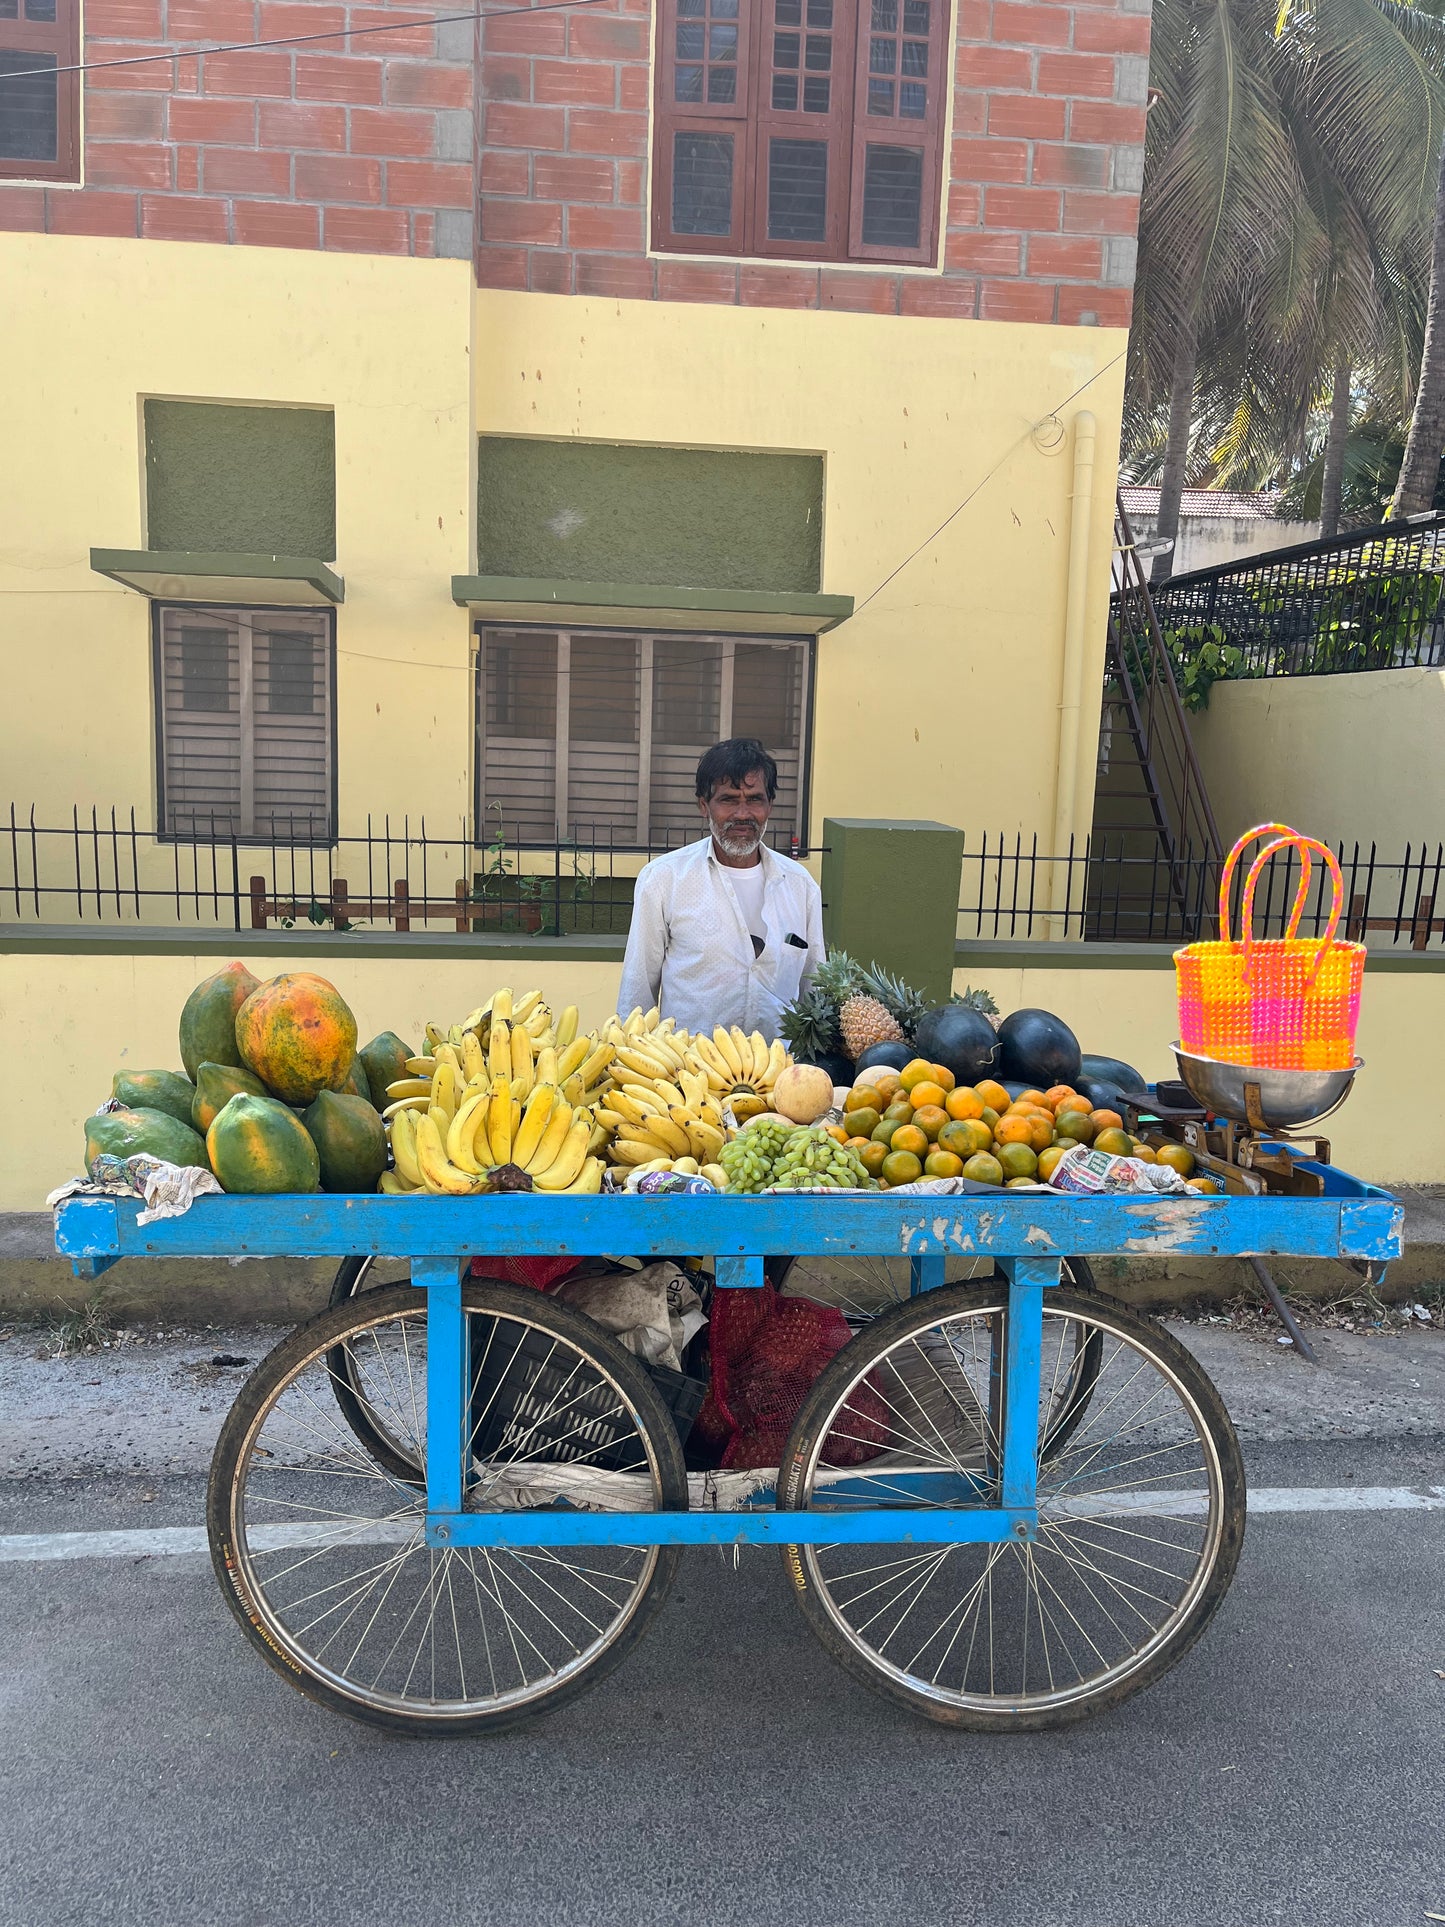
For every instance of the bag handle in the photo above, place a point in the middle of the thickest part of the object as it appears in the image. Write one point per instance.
(1226, 876)
(1304, 844)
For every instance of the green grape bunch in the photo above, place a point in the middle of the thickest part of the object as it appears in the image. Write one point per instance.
(812, 1158)
(749, 1157)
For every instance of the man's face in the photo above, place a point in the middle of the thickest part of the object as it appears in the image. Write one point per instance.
(737, 814)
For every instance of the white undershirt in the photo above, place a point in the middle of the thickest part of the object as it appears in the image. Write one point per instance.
(747, 887)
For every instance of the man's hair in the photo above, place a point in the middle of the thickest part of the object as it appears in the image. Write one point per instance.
(731, 762)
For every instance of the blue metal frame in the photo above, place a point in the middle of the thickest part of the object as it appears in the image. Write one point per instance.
(1028, 1233)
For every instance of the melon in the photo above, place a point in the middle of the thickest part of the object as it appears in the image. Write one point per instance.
(961, 1039)
(216, 1085)
(384, 1060)
(258, 1145)
(803, 1092)
(1112, 1070)
(208, 1018)
(1038, 1049)
(897, 1056)
(350, 1141)
(154, 1091)
(130, 1133)
(298, 1036)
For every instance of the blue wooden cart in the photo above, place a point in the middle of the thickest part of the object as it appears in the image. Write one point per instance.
(1006, 1503)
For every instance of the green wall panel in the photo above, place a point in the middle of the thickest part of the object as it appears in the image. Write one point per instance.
(254, 479)
(680, 517)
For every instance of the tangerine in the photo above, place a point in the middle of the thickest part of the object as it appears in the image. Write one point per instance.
(862, 1097)
(883, 1078)
(857, 1143)
(871, 1156)
(944, 1077)
(882, 1132)
(1014, 1130)
(1019, 1184)
(1116, 1143)
(1074, 1104)
(1032, 1097)
(930, 1119)
(927, 1094)
(901, 1167)
(1057, 1095)
(1017, 1160)
(1079, 1125)
(862, 1123)
(942, 1164)
(919, 1071)
(993, 1094)
(1178, 1157)
(1206, 1187)
(909, 1138)
(965, 1136)
(1145, 1153)
(1043, 1134)
(963, 1102)
(989, 1117)
(1108, 1121)
(1049, 1161)
(984, 1169)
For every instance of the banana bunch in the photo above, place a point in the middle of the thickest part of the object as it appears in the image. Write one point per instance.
(738, 1066)
(659, 1109)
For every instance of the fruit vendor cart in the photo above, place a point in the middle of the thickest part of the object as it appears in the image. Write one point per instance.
(445, 1505)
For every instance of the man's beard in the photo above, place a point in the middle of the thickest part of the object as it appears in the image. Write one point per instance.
(738, 839)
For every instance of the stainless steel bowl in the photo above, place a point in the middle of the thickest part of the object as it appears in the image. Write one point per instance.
(1288, 1100)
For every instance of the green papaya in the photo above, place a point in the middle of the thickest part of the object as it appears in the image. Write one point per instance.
(208, 1018)
(155, 1091)
(384, 1060)
(257, 1144)
(350, 1140)
(356, 1084)
(216, 1085)
(126, 1134)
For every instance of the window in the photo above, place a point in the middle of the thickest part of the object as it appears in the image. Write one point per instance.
(810, 129)
(245, 700)
(39, 105)
(595, 735)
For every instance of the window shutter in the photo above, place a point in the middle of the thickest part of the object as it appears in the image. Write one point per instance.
(291, 728)
(39, 110)
(770, 702)
(200, 701)
(686, 720)
(603, 760)
(898, 107)
(703, 93)
(800, 190)
(519, 736)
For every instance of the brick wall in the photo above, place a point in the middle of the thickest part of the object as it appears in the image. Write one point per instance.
(364, 145)
(1048, 131)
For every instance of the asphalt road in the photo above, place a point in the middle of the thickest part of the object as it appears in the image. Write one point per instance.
(1291, 1769)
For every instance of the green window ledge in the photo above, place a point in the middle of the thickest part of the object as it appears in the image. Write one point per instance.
(183, 575)
(643, 605)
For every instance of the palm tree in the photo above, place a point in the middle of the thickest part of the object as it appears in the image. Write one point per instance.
(1425, 445)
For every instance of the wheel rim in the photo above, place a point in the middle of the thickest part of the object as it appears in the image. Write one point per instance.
(1131, 1516)
(327, 1544)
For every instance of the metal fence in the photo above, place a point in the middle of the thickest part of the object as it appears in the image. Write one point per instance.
(1373, 599)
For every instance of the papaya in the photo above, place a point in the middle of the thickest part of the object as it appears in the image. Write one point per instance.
(155, 1091)
(356, 1084)
(208, 1018)
(126, 1134)
(350, 1140)
(384, 1061)
(297, 1034)
(216, 1085)
(256, 1145)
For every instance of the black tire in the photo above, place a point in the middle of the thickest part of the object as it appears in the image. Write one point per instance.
(1126, 1341)
(242, 1467)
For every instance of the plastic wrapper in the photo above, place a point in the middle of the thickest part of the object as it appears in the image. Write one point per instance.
(1085, 1172)
(169, 1190)
(664, 1184)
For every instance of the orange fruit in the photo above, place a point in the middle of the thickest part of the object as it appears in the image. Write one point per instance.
(882, 1078)
(1078, 1125)
(1017, 1160)
(963, 1102)
(862, 1097)
(1019, 1184)
(984, 1169)
(882, 1132)
(836, 1131)
(927, 1094)
(901, 1167)
(942, 1164)
(944, 1077)
(1014, 1130)
(872, 1156)
(1145, 1153)
(899, 1106)
(990, 1117)
(994, 1095)
(857, 1143)
(862, 1123)
(930, 1119)
(908, 1137)
(1049, 1161)
(1178, 1157)
(1043, 1135)
(1116, 1143)
(1074, 1104)
(1206, 1187)
(1108, 1121)
(1032, 1097)
(1057, 1095)
(964, 1136)
(917, 1072)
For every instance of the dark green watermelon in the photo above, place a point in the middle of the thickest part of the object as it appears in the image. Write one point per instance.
(961, 1039)
(1039, 1049)
(894, 1055)
(1112, 1070)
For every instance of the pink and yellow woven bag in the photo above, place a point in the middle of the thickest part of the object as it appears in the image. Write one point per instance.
(1284, 1003)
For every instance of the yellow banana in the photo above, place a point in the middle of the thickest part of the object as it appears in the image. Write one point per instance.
(394, 1185)
(567, 1026)
(652, 1018)
(481, 1144)
(627, 1110)
(566, 1167)
(689, 1167)
(588, 1182)
(439, 1117)
(499, 1050)
(409, 1087)
(445, 1088)
(538, 1025)
(420, 1066)
(758, 1044)
(521, 1060)
(646, 1066)
(438, 1172)
(633, 1154)
(652, 1164)
(548, 1146)
(610, 1120)
(727, 1050)
(706, 1141)
(544, 1065)
(499, 1122)
(501, 1006)
(454, 1036)
(574, 1054)
(403, 1149)
(663, 1130)
(434, 1037)
(525, 1005)
(597, 1062)
(407, 1104)
(601, 1137)
(459, 1146)
(474, 1060)
(716, 1176)
(573, 1089)
(777, 1061)
(534, 1123)
(708, 1061)
(516, 1115)
(738, 1038)
(449, 1053)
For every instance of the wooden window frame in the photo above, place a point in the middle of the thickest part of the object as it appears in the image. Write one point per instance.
(646, 641)
(244, 615)
(847, 127)
(60, 37)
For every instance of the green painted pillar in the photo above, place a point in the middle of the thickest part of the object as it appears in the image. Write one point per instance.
(890, 896)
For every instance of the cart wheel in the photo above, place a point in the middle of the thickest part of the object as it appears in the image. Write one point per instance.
(320, 1549)
(1141, 1511)
(349, 1380)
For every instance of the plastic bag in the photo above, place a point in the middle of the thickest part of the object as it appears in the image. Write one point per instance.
(654, 1312)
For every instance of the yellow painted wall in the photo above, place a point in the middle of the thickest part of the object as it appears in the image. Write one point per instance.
(1357, 758)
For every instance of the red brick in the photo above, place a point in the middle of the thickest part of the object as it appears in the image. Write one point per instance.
(282, 18)
(510, 174)
(860, 293)
(1071, 256)
(127, 164)
(600, 36)
(429, 183)
(501, 267)
(970, 111)
(1026, 116)
(153, 78)
(182, 217)
(411, 35)
(1075, 74)
(366, 230)
(615, 230)
(985, 253)
(392, 130)
(692, 281)
(614, 275)
(232, 121)
(125, 19)
(549, 271)
(986, 160)
(525, 33)
(1015, 301)
(1101, 213)
(1110, 306)
(420, 83)
(1031, 26)
(948, 295)
(634, 88)
(188, 170)
(516, 126)
(338, 77)
(573, 177)
(574, 83)
(135, 117)
(631, 182)
(534, 223)
(995, 67)
(965, 204)
(22, 209)
(1021, 207)
(247, 170)
(277, 224)
(337, 177)
(424, 234)
(88, 213)
(975, 20)
(249, 75)
(187, 70)
(210, 21)
(1111, 33)
(590, 132)
(1070, 165)
(322, 128)
(1106, 120)
(506, 78)
(760, 287)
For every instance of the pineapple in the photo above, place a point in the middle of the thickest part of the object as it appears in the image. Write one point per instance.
(863, 1021)
(903, 1004)
(810, 1025)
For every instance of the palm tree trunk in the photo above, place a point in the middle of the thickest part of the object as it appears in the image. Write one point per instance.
(1176, 449)
(1420, 470)
(1332, 479)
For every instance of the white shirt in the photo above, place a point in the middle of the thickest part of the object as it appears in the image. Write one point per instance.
(749, 886)
(689, 950)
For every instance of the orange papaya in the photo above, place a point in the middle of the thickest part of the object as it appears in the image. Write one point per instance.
(350, 1140)
(208, 1018)
(257, 1145)
(298, 1036)
(216, 1085)
(384, 1061)
(155, 1091)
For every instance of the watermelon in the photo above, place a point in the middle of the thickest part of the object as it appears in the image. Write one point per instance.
(895, 1055)
(1112, 1070)
(961, 1039)
(1039, 1049)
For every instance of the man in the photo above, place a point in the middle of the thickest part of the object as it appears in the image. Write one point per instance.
(724, 930)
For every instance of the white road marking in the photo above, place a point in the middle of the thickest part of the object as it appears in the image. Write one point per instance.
(168, 1542)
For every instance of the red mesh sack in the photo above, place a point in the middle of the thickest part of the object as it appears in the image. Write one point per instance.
(540, 1273)
(766, 1352)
